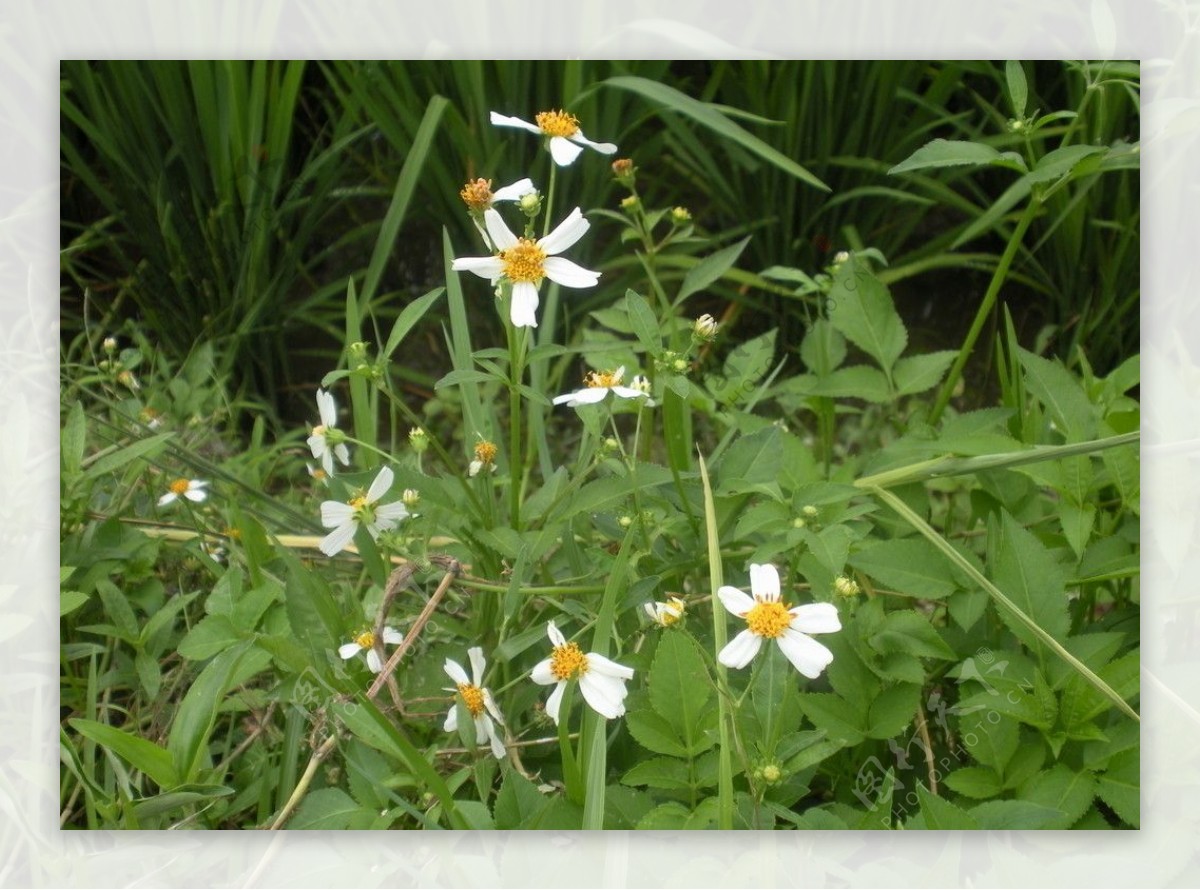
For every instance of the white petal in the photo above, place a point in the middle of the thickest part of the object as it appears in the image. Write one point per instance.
(336, 540)
(373, 661)
(327, 408)
(514, 192)
(343, 454)
(605, 148)
(608, 667)
(542, 674)
(502, 236)
(816, 618)
(451, 723)
(555, 635)
(335, 513)
(196, 484)
(809, 656)
(554, 702)
(392, 636)
(196, 495)
(653, 610)
(478, 664)
(565, 397)
(566, 233)
(523, 308)
(563, 151)
(494, 738)
(316, 445)
(167, 498)
(490, 704)
(327, 462)
(488, 267)
(455, 672)
(383, 481)
(569, 274)
(605, 694)
(740, 650)
(349, 650)
(764, 582)
(627, 392)
(735, 600)
(392, 513)
(589, 396)
(503, 120)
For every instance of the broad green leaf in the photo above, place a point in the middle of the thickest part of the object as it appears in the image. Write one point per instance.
(653, 732)
(910, 632)
(840, 720)
(917, 373)
(990, 736)
(861, 308)
(1120, 786)
(1061, 393)
(518, 803)
(680, 688)
(668, 773)
(855, 382)
(941, 815)
(1013, 814)
(823, 349)
(70, 600)
(211, 636)
(1031, 578)
(1063, 162)
(978, 782)
(643, 321)
(893, 711)
(1018, 90)
(709, 269)
(139, 753)
(743, 368)
(907, 565)
(1063, 789)
(74, 436)
(330, 808)
(143, 448)
(954, 153)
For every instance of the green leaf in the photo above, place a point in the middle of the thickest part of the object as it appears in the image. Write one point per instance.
(330, 808)
(668, 773)
(941, 815)
(1062, 394)
(74, 439)
(823, 348)
(1077, 524)
(1013, 814)
(643, 321)
(211, 636)
(668, 816)
(518, 803)
(840, 720)
(893, 710)
(408, 318)
(992, 742)
(978, 782)
(918, 373)
(743, 368)
(1062, 162)
(709, 270)
(910, 632)
(1035, 583)
(1018, 91)
(139, 753)
(466, 375)
(655, 733)
(861, 308)
(709, 116)
(680, 688)
(1120, 786)
(70, 600)
(952, 153)
(854, 382)
(143, 448)
(907, 565)
(1063, 789)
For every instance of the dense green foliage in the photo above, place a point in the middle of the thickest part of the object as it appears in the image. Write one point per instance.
(952, 509)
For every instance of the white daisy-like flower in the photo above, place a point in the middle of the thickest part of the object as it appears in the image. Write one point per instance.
(345, 518)
(598, 384)
(478, 195)
(525, 262)
(666, 614)
(563, 131)
(601, 680)
(366, 640)
(480, 704)
(768, 618)
(326, 440)
(192, 489)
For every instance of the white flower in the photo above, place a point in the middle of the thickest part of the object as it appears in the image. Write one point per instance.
(563, 130)
(480, 704)
(345, 518)
(325, 441)
(366, 640)
(525, 262)
(478, 194)
(666, 614)
(768, 618)
(598, 384)
(601, 681)
(192, 489)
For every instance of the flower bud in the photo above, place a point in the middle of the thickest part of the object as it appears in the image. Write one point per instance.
(358, 351)
(477, 195)
(809, 510)
(680, 215)
(624, 171)
(840, 257)
(530, 204)
(410, 498)
(629, 203)
(846, 587)
(418, 439)
(705, 328)
(110, 344)
(771, 773)
(625, 521)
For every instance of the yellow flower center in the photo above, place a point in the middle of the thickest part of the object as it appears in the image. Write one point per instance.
(358, 502)
(603, 378)
(769, 619)
(472, 698)
(179, 486)
(673, 612)
(477, 195)
(366, 639)
(568, 662)
(485, 452)
(557, 123)
(524, 261)
(319, 430)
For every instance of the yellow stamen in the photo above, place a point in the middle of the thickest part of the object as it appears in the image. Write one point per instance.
(568, 662)
(557, 123)
(319, 430)
(769, 619)
(603, 378)
(673, 612)
(524, 261)
(477, 195)
(485, 452)
(179, 486)
(472, 698)
(366, 639)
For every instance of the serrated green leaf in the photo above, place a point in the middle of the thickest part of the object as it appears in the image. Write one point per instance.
(861, 308)
(667, 773)
(654, 733)
(907, 565)
(953, 153)
(910, 632)
(643, 322)
(1013, 814)
(941, 815)
(1063, 789)
(330, 808)
(1031, 578)
(978, 782)
(893, 711)
(917, 373)
(680, 688)
(1120, 786)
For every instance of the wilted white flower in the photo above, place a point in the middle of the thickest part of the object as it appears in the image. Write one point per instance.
(666, 614)
(767, 618)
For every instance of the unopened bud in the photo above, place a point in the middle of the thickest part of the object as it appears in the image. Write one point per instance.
(705, 328)
(629, 203)
(418, 439)
(846, 587)
(411, 498)
(110, 344)
(680, 215)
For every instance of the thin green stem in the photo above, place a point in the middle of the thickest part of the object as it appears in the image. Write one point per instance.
(516, 353)
(985, 309)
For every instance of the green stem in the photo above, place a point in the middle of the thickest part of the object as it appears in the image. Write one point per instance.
(516, 353)
(985, 309)
(570, 766)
